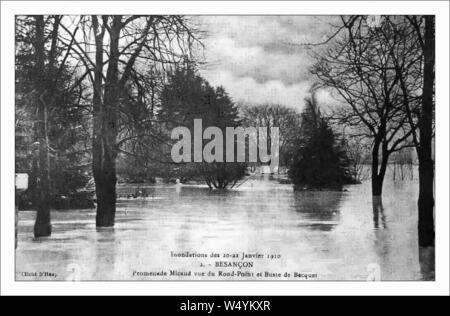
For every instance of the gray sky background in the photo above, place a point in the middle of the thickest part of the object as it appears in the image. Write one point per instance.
(257, 58)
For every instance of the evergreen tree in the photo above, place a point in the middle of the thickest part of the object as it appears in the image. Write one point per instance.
(53, 94)
(320, 161)
(188, 96)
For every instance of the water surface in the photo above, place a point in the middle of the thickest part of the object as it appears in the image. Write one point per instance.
(330, 235)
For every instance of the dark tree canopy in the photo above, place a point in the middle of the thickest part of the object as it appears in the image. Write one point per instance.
(188, 96)
(56, 86)
(320, 161)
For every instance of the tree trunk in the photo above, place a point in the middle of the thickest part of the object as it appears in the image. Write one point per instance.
(42, 226)
(426, 203)
(426, 165)
(106, 112)
(377, 185)
(104, 166)
(377, 181)
(105, 187)
(379, 168)
(105, 126)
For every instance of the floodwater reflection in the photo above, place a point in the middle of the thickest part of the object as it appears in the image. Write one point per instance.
(319, 210)
(338, 235)
(378, 212)
(427, 261)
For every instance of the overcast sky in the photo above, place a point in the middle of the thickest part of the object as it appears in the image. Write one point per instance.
(254, 58)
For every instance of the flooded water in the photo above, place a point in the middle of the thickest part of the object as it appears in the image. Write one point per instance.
(325, 235)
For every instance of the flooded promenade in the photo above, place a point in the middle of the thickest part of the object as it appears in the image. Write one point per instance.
(330, 235)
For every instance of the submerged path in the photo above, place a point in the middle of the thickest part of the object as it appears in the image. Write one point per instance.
(330, 235)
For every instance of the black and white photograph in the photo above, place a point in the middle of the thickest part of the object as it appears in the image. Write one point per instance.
(209, 146)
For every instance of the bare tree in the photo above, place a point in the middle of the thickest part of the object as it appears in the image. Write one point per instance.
(424, 148)
(357, 153)
(422, 30)
(276, 115)
(42, 226)
(414, 68)
(123, 46)
(360, 69)
(402, 165)
(46, 77)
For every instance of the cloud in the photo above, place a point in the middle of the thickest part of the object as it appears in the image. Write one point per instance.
(256, 62)
(258, 59)
(248, 90)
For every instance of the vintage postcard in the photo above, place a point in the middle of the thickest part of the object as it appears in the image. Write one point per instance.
(225, 147)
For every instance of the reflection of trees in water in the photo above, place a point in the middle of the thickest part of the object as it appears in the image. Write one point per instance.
(427, 263)
(106, 253)
(383, 240)
(378, 212)
(320, 209)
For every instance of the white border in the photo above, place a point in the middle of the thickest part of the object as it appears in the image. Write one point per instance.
(438, 8)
